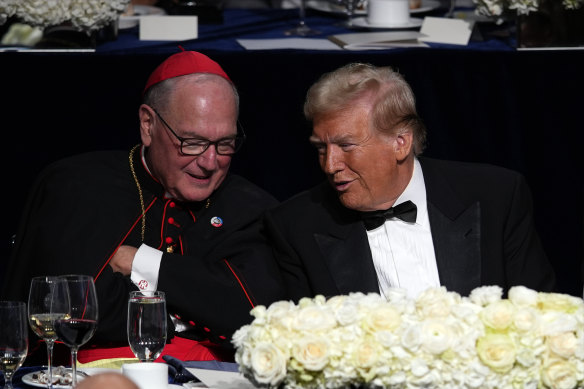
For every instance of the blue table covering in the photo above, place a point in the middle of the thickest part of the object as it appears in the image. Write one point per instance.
(258, 24)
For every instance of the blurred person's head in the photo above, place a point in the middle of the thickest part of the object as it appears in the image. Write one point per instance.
(111, 380)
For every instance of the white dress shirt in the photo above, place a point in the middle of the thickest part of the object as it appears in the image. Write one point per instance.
(403, 253)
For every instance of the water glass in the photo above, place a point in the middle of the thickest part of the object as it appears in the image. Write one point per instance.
(147, 324)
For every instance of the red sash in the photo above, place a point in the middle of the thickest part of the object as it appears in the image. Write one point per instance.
(180, 348)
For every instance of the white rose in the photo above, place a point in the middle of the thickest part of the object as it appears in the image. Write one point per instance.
(436, 336)
(314, 318)
(559, 374)
(525, 320)
(526, 357)
(412, 338)
(239, 336)
(553, 323)
(280, 314)
(563, 344)
(485, 295)
(436, 302)
(382, 318)
(311, 352)
(347, 312)
(498, 315)
(268, 364)
(497, 352)
(366, 354)
(522, 296)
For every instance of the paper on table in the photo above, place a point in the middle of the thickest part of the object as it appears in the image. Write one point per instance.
(446, 30)
(288, 43)
(169, 28)
(217, 379)
(377, 40)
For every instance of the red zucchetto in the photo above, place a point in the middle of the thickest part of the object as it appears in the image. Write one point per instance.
(180, 64)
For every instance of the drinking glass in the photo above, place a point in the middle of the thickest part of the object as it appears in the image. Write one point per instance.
(147, 324)
(43, 310)
(80, 320)
(13, 338)
(302, 29)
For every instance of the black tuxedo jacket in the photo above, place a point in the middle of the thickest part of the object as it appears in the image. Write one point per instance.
(481, 222)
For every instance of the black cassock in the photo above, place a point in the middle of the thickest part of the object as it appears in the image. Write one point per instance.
(216, 264)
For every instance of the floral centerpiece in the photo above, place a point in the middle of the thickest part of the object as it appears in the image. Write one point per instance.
(439, 340)
(83, 15)
(497, 8)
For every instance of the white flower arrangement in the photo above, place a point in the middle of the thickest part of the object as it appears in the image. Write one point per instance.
(439, 340)
(521, 7)
(84, 15)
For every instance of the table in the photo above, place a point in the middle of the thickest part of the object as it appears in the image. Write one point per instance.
(485, 102)
(178, 373)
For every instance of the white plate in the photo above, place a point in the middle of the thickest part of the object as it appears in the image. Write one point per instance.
(362, 22)
(326, 6)
(129, 21)
(27, 378)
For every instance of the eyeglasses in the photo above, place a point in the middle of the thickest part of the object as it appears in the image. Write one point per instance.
(197, 146)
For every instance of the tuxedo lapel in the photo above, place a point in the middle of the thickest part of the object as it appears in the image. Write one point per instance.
(457, 248)
(348, 257)
(456, 232)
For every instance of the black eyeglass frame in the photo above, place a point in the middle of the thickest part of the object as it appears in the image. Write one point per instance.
(239, 139)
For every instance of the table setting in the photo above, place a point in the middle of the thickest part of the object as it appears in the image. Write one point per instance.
(439, 339)
(64, 309)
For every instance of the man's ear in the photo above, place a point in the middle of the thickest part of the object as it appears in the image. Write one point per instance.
(403, 145)
(146, 116)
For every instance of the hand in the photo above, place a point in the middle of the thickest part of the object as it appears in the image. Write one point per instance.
(123, 259)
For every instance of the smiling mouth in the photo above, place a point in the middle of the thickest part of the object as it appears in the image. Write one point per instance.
(200, 177)
(341, 186)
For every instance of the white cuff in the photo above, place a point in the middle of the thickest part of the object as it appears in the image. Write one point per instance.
(145, 268)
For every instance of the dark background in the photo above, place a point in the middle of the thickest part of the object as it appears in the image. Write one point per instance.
(521, 110)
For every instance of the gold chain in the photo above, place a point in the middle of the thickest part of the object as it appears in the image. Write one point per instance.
(139, 190)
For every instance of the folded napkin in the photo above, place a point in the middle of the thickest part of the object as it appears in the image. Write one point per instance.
(177, 369)
(110, 363)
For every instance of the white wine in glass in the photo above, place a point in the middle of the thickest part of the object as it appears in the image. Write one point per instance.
(147, 324)
(80, 321)
(13, 338)
(43, 310)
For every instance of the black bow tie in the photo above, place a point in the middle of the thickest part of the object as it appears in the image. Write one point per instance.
(405, 211)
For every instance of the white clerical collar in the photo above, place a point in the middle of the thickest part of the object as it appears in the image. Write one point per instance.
(416, 192)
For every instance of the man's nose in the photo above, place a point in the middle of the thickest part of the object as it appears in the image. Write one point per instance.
(208, 160)
(332, 160)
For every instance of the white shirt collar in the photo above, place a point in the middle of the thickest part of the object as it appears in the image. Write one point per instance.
(416, 193)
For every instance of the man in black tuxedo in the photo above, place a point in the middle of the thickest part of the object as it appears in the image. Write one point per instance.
(457, 225)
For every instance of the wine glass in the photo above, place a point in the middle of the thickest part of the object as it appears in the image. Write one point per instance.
(302, 29)
(350, 7)
(80, 321)
(147, 324)
(43, 310)
(13, 338)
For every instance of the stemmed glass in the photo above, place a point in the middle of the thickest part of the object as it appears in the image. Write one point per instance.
(13, 338)
(350, 6)
(43, 310)
(80, 321)
(302, 29)
(147, 324)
